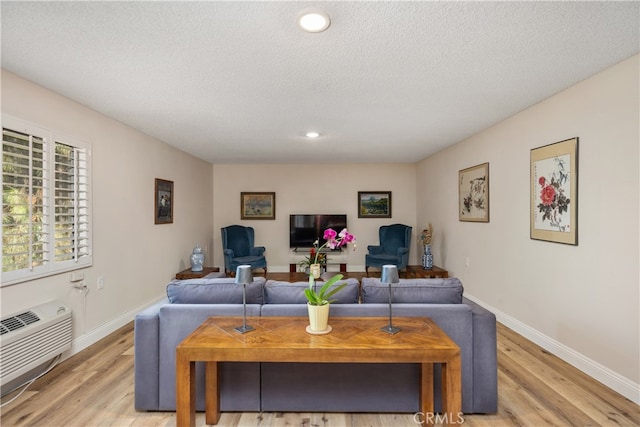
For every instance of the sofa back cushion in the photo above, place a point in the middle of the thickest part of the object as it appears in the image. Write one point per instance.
(214, 291)
(425, 291)
(276, 292)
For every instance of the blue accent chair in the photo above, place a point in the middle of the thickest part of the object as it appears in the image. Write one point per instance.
(238, 249)
(393, 249)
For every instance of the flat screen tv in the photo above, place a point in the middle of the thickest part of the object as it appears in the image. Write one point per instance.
(304, 229)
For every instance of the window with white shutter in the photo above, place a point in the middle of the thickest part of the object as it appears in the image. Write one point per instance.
(46, 209)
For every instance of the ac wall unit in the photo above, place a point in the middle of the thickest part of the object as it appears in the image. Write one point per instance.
(31, 337)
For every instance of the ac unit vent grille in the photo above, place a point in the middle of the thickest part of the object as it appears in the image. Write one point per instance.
(16, 322)
(30, 337)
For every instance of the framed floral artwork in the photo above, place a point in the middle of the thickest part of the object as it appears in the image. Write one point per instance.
(163, 201)
(261, 205)
(473, 193)
(374, 204)
(554, 192)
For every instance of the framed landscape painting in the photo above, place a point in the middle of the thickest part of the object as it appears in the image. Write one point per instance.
(163, 201)
(473, 193)
(554, 192)
(374, 204)
(261, 205)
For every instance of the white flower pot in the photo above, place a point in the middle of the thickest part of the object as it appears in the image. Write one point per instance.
(318, 317)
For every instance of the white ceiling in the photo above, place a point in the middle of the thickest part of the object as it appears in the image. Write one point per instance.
(239, 82)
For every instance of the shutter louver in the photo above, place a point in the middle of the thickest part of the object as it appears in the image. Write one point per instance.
(71, 203)
(25, 222)
(46, 222)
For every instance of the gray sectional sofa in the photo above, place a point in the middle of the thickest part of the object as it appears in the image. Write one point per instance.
(284, 387)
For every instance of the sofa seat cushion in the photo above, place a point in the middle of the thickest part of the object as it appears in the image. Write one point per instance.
(277, 292)
(214, 291)
(426, 291)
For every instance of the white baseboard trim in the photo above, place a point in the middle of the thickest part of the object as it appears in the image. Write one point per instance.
(84, 341)
(597, 371)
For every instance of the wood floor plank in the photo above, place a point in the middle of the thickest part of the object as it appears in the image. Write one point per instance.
(535, 388)
(516, 407)
(595, 400)
(545, 395)
(36, 409)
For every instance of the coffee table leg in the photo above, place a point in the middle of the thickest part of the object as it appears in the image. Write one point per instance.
(426, 394)
(212, 393)
(452, 391)
(185, 391)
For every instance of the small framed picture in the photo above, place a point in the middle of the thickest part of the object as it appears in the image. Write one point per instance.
(260, 205)
(554, 192)
(374, 204)
(473, 193)
(164, 202)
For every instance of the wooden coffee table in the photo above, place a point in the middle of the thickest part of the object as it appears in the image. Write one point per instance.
(283, 339)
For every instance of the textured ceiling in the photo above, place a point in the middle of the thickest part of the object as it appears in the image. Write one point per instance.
(239, 82)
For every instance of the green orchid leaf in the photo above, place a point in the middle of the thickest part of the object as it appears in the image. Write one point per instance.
(322, 296)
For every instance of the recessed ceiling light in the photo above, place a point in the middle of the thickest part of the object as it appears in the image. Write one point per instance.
(314, 21)
(312, 134)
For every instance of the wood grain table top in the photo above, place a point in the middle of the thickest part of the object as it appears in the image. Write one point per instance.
(352, 339)
(285, 339)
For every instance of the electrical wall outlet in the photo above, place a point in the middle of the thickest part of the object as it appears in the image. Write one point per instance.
(101, 282)
(76, 276)
(466, 261)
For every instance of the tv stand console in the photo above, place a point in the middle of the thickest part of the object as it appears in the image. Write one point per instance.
(334, 257)
(294, 267)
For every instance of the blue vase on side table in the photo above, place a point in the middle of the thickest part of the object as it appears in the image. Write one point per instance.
(197, 259)
(427, 258)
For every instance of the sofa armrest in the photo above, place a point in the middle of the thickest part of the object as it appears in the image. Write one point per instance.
(374, 250)
(485, 361)
(257, 250)
(146, 357)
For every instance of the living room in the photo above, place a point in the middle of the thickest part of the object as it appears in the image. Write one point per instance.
(579, 302)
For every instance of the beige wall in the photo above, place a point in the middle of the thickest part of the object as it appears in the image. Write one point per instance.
(135, 257)
(581, 301)
(300, 189)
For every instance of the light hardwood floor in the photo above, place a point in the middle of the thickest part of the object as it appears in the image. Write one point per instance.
(95, 388)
